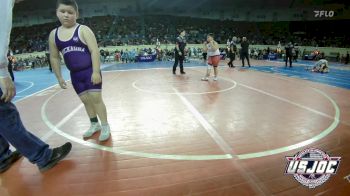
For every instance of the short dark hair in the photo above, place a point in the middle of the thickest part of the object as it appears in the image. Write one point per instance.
(211, 35)
(72, 3)
(181, 30)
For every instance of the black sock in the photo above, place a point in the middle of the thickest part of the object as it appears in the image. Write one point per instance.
(94, 120)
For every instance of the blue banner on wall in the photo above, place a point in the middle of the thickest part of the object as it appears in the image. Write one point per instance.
(272, 56)
(147, 58)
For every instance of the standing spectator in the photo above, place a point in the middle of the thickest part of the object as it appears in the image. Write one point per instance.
(10, 59)
(204, 53)
(47, 54)
(106, 55)
(125, 56)
(102, 55)
(232, 52)
(180, 52)
(245, 51)
(157, 44)
(303, 54)
(338, 57)
(289, 53)
(228, 43)
(279, 50)
(132, 55)
(296, 54)
(347, 58)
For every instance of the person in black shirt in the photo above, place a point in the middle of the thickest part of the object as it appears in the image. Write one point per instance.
(180, 52)
(244, 51)
(204, 54)
(289, 53)
(47, 54)
(232, 52)
(10, 59)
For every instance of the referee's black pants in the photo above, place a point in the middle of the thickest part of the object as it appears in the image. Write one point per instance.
(245, 55)
(289, 57)
(179, 59)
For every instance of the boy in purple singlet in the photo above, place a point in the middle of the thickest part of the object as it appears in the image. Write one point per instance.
(78, 45)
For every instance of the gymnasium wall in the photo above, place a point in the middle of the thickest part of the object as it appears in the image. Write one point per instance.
(327, 50)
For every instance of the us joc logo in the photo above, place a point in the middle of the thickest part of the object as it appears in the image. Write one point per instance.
(312, 167)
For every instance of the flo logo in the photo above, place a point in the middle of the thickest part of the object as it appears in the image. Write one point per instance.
(75, 39)
(323, 13)
(312, 167)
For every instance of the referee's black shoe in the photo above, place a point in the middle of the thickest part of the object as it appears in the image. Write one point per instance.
(58, 154)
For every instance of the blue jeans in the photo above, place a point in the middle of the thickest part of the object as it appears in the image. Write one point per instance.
(12, 131)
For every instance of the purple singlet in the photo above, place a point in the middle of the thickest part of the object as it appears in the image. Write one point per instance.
(77, 57)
